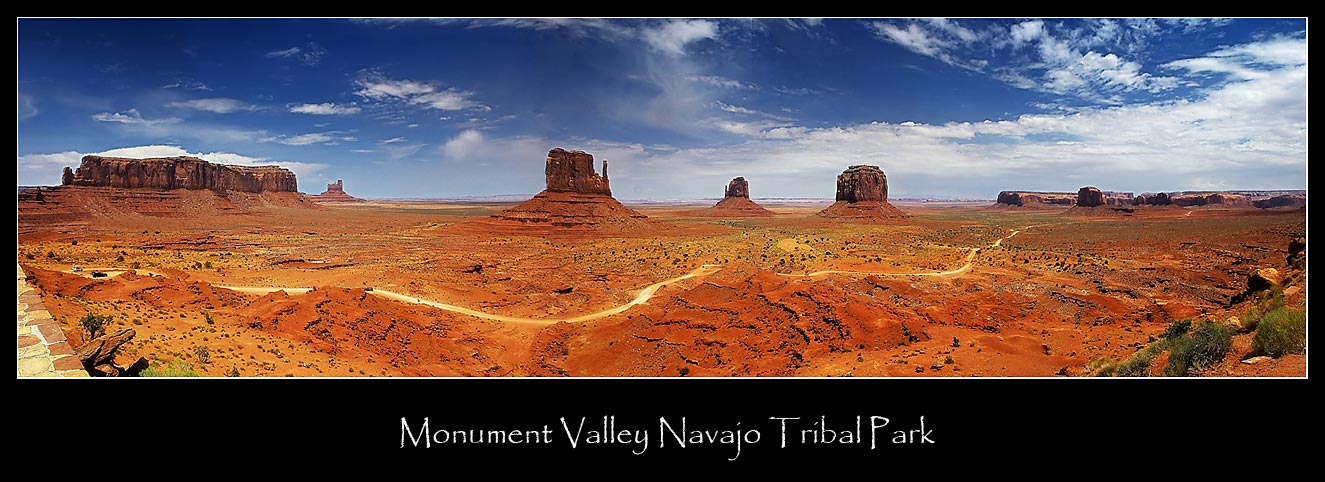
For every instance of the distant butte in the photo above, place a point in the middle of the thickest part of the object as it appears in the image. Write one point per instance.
(735, 203)
(335, 193)
(862, 194)
(575, 197)
(178, 173)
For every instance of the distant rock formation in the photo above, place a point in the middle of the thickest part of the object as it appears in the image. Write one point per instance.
(738, 187)
(862, 194)
(179, 173)
(572, 171)
(1155, 199)
(576, 197)
(735, 203)
(335, 193)
(1090, 196)
(1211, 199)
(1035, 199)
(1286, 200)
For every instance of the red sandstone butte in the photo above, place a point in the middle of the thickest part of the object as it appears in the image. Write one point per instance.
(862, 194)
(575, 197)
(335, 193)
(735, 203)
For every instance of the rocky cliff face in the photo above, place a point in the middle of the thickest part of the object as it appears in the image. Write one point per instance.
(1211, 199)
(862, 183)
(738, 187)
(1090, 196)
(573, 171)
(179, 173)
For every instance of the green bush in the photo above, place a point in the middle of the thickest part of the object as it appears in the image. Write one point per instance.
(1176, 329)
(1206, 346)
(1281, 331)
(1138, 364)
(179, 368)
(1266, 302)
(94, 325)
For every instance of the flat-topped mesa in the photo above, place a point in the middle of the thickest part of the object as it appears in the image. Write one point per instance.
(1285, 200)
(1090, 196)
(862, 194)
(335, 193)
(179, 173)
(738, 187)
(1032, 199)
(573, 171)
(862, 183)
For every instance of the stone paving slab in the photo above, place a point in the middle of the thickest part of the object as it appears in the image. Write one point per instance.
(43, 350)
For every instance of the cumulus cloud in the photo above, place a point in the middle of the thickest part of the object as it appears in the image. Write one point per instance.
(464, 144)
(325, 108)
(217, 105)
(374, 86)
(45, 169)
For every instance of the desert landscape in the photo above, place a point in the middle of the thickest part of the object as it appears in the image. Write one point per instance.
(572, 283)
(662, 197)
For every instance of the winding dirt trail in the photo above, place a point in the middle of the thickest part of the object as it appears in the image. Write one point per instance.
(643, 297)
(970, 262)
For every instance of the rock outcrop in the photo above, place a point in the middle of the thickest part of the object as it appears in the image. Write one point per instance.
(1035, 199)
(335, 193)
(735, 203)
(1155, 199)
(1211, 199)
(1287, 200)
(179, 173)
(576, 197)
(862, 194)
(572, 171)
(738, 187)
(1090, 196)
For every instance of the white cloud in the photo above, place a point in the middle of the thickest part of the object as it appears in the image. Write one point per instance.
(717, 81)
(217, 105)
(464, 144)
(45, 169)
(188, 84)
(328, 138)
(392, 140)
(674, 36)
(374, 86)
(27, 107)
(131, 116)
(308, 54)
(325, 108)
(1086, 61)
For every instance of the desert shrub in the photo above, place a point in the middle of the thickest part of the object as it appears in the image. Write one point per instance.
(179, 368)
(1138, 364)
(1176, 329)
(1281, 331)
(1266, 302)
(1206, 346)
(1102, 367)
(207, 317)
(234, 372)
(94, 325)
(202, 353)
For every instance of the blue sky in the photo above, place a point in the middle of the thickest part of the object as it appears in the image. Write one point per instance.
(454, 107)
